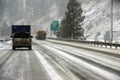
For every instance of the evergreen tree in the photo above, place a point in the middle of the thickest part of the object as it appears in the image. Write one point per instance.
(72, 22)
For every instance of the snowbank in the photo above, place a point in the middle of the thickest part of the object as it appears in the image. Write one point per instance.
(1, 44)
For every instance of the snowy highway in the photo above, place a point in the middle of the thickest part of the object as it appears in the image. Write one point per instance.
(52, 61)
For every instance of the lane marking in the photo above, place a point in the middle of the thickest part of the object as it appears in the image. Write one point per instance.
(52, 73)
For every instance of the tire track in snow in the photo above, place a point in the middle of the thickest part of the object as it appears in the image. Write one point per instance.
(52, 73)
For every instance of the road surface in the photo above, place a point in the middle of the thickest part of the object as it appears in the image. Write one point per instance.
(52, 61)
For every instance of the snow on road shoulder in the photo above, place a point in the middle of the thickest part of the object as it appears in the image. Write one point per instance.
(5, 45)
(52, 73)
(115, 51)
(1, 44)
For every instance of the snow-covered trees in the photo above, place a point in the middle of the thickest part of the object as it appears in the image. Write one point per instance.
(71, 24)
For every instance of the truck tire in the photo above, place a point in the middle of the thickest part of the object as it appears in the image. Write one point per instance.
(13, 47)
(30, 48)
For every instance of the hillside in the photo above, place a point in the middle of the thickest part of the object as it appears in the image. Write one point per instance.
(40, 13)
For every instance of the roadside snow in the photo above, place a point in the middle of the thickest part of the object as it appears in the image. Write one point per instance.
(5, 45)
(1, 44)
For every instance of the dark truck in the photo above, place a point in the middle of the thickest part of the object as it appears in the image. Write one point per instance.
(21, 36)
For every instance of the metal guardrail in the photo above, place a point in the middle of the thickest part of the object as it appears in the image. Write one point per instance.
(92, 43)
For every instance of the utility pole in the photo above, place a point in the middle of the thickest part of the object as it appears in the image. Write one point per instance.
(111, 31)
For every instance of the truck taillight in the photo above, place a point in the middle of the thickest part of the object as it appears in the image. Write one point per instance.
(30, 39)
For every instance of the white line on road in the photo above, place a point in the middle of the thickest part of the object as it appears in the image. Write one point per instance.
(52, 73)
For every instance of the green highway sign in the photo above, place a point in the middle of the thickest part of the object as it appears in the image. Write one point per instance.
(54, 26)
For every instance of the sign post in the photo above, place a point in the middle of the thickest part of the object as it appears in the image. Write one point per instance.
(111, 34)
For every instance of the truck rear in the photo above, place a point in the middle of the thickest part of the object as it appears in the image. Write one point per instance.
(41, 35)
(21, 36)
